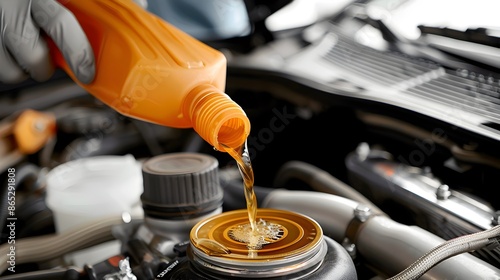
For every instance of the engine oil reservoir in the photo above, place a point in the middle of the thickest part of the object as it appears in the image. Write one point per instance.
(293, 247)
(149, 70)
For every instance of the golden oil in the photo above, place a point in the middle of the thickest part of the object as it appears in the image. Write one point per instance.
(254, 234)
(286, 242)
(242, 158)
(264, 233)
(286, 234)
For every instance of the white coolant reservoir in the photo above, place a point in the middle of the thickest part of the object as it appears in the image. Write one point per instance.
(89, 189)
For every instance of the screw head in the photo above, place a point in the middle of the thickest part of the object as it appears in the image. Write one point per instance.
(443, 192)
(362, 212)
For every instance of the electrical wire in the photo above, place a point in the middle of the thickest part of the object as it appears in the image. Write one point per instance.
(450, 248)
(37, 249)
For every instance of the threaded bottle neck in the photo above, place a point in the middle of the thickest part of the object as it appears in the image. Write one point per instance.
(216, 117)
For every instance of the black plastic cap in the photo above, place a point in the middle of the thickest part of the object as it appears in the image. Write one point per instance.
(178, 185)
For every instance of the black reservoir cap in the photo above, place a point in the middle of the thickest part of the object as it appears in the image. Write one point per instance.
(180, 185)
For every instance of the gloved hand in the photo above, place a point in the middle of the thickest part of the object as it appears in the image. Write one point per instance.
(24, 51)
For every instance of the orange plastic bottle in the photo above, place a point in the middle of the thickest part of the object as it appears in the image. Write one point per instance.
(148, 69)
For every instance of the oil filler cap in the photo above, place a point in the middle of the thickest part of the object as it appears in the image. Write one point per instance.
(180, 186)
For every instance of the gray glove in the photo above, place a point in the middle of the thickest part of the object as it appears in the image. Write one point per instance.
(24, 52)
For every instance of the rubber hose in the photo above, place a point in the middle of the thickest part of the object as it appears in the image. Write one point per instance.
(43, 248)
(321, 181)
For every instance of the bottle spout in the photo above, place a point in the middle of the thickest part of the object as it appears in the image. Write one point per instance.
(217, 118)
